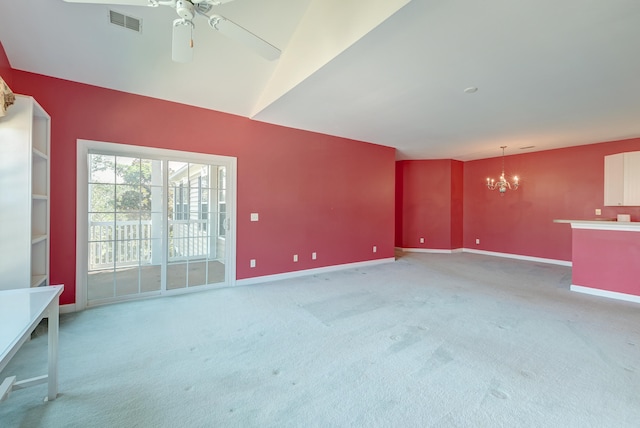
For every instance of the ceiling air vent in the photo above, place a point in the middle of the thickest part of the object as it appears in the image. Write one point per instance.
(125, 21)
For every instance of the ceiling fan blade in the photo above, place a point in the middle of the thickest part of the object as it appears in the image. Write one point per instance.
(213, 2)
(244, 36)
(182, 43)
(119, 2)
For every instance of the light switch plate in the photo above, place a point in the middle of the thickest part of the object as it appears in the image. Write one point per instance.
(254, 216)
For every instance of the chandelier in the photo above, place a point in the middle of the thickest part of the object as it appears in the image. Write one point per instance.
(502, 184)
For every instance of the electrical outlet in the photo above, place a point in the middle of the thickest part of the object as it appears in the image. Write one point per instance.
(313, 256)
(477, 241)
(295, 257)
(254, 217)
(422, 240)
(375, 249)
(598, 211)
(252, 263)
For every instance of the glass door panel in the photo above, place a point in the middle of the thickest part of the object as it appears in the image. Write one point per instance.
(122, 231)
(193, 257)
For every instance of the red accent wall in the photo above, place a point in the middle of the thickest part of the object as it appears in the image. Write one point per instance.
(399, 203)
(5, 68)
(457, 204)
(555, 184)
(313, 192)
(607, 260)
(429, 204)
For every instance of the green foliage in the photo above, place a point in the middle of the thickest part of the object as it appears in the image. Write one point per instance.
(119, 185)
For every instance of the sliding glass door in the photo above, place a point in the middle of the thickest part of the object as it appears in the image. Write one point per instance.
(155, 223)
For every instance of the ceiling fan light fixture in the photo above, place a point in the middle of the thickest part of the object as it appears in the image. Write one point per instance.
(182, 44)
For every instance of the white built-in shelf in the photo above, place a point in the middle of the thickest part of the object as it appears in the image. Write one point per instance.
(38, 280)
(38, 154)
(37, 238)
(24, 198)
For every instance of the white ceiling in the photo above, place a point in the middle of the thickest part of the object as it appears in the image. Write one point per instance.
(549, 73)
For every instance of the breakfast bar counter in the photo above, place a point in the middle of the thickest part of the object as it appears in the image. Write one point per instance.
(606, 258)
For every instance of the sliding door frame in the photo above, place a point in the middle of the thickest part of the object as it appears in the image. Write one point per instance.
(85, 147)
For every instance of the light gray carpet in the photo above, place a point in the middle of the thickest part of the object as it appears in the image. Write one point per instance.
(432, 340)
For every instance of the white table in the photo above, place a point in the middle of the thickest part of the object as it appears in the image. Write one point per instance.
(21, 310)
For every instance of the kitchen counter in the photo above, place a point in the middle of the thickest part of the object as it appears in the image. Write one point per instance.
(606, 258)
(603, 224)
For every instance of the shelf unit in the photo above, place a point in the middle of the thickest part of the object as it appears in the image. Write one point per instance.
(24, 198)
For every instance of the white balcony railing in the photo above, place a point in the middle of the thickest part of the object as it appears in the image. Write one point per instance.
(130, 243)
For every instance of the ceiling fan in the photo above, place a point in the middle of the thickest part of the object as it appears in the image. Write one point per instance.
(187, 10)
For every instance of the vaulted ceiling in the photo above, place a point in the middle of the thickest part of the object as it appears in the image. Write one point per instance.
(548, 73)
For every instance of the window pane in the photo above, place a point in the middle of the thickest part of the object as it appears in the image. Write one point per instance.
(147, 168)
(127, 281)
(100, 284)
(127, 170)
(150, 278)
(101, 198)
(176, 276)
(222, 177)
(178, 173)
(128, 198)
(102, 168)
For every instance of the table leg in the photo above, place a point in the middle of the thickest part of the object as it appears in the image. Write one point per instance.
(54, 312)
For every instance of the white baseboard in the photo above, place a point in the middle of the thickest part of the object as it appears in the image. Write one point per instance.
(486, 253)
(429, 250)
(314, 271)
(276, 277)
(605, 293)
(518, 256)
(67, 309)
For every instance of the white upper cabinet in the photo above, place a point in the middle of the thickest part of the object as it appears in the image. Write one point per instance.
(622, 179)
(24, 195)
